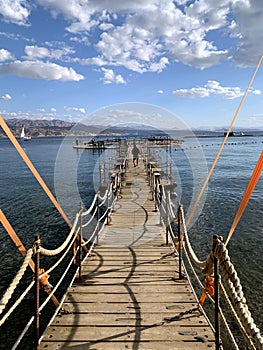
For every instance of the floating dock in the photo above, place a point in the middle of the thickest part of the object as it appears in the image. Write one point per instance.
(130, 295)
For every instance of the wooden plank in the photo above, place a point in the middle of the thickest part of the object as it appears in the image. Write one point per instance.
(127, 297)
(180, 287)
(124, 319)
(120, 345)
(153, 332)
(161, 307)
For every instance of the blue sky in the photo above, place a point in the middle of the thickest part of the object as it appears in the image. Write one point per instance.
(62, 59)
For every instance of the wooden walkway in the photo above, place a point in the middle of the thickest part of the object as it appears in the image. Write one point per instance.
(130, 296)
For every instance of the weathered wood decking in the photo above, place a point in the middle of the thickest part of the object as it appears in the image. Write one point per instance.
(130, 296)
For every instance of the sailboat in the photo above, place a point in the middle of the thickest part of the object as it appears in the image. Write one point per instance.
(24, 136)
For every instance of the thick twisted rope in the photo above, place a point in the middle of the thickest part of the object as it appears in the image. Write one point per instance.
(91, 218)
(235, 315)
(103, 198)
(198, 262)
(233, 282)
(10, 290)
(91, 206)
(53, 252)
(60, 259)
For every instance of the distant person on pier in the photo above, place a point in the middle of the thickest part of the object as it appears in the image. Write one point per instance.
(135, 153)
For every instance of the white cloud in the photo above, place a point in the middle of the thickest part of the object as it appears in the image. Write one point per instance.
(159, 66)
(110, 77)
(6, 97)
(139, 35)
(15, 11)
(106, 26)
(16, 36)
(40, 70)
(192, 93)
(160, 91)
(97, 61)
(53, 110)
(37, 52)
(212, 87)
(5, 55)
(146, 29)
(247, 29)
(147, 33)
(77, 12)
(75, 109)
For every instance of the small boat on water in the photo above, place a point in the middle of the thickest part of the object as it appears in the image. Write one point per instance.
(96, 144)
(25, 136)
(100, 145)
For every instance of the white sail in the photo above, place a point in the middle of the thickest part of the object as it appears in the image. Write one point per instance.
(23, 132)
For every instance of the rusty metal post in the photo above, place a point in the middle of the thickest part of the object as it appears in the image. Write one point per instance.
(80, 238)
(217, 314)
(166, 220)
(37, 266)
(179, 241)
(98, 216)
(108, 203)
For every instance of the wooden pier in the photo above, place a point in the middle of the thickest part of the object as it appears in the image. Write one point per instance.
(130, 295)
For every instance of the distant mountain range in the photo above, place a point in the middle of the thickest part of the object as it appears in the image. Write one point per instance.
(38, 128)
(49, 128)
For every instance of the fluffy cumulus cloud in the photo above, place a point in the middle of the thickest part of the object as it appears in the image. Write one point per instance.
(111, 77)
(135, 34)
(5, 97)
(147, 36)
(15, 11)
(248, 31)
(75, 109)
(34, 52)
(40, 70)
(210, 88)
(5, 55)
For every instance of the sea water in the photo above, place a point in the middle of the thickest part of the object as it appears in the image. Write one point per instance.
(30, 212)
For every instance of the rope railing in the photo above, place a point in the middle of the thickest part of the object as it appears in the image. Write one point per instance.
(235, 288)
(235, 315)
(60, 249)
(238, 307)
(60, 259)
(85, 213)
(103, 198)
(199, 263)
(91, 218)
(10, 290)
(244, 319)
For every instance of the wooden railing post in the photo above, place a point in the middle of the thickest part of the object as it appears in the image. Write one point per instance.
(37, 289)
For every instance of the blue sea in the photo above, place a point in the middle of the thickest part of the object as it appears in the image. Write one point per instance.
(30, 212)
